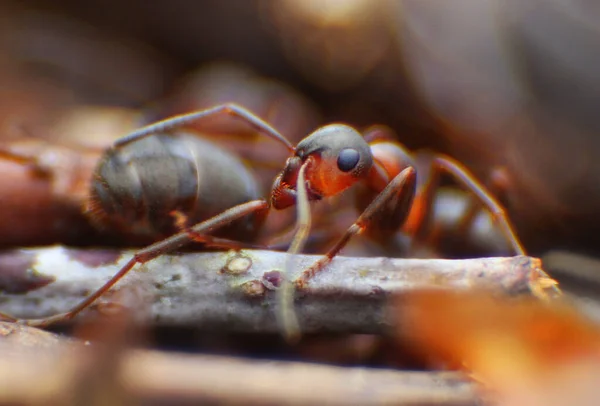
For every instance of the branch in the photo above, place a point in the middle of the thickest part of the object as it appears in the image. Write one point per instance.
(235, 291)
(40, 367)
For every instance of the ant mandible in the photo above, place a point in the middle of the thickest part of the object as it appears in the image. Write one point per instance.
(325, 163)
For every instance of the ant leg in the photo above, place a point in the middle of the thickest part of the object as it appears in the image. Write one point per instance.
(541, 283)
(419, 221)
(319, 235)
(186, 119)
(209, 240)
(467, 180)
(395, 193)
(25, 160)
(17, 158)
(419, 224)
(146, 254)
(497, 184)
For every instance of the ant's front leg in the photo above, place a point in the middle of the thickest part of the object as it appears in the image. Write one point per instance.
(396, 199)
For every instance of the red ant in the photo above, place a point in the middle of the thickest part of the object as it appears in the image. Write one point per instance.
(325, 163)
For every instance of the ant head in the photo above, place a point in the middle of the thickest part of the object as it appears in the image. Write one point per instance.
(337, 156)
(340, 156)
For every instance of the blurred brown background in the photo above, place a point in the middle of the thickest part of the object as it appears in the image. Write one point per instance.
(496, 84)
(508, 87)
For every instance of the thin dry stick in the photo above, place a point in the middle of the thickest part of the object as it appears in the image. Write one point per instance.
(291, 383)
(233, 291)
(42, 368)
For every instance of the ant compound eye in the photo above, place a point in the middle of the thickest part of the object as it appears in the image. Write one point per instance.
(347, 159)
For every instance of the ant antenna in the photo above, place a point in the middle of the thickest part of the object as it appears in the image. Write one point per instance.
(285, 294)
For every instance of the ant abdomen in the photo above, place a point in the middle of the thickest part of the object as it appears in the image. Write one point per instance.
(137, 186)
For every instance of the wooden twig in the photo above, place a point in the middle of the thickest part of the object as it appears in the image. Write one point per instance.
(233, 291)
(289, 383)
(41, 368)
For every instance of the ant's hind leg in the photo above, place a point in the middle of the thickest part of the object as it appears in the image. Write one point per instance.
(146, 254)
(468, 181)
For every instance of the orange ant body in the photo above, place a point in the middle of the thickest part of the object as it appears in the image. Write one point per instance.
(325, 163)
